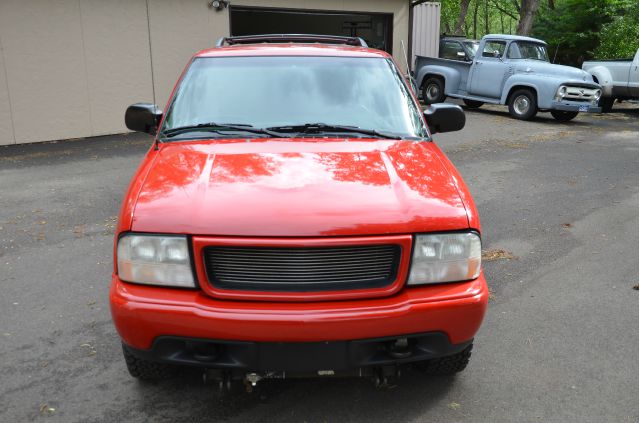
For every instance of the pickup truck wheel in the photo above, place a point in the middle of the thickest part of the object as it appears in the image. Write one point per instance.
(522, 105)
(447, 365)
(562, 116)
(433, 91)
(146, 370)
(606, 104)
(473, 104)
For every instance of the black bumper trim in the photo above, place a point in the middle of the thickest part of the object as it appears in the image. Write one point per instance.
(298, 356)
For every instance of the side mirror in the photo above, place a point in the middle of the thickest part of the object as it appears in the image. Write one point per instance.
(461, 55)
(496, 54)
(443, 117)
(143, 117)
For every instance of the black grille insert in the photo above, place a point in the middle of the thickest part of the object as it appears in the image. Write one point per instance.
(304, 269)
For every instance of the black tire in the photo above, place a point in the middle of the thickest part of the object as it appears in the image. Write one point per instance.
(562, 116)
(146, 370)
(433, 90)
(606, 104)
(473, 104)
(447, 365)
(522, 104)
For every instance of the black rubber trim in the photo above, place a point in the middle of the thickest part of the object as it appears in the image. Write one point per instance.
(297, 356)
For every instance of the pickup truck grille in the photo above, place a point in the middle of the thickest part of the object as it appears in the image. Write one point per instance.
(580, 94)
(305, 269)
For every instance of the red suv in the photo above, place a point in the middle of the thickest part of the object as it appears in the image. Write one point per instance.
(294, 218)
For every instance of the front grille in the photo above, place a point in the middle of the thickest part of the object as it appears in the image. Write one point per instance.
(303, 269)
(580, 94)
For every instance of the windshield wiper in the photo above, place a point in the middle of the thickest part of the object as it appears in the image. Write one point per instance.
(315, 128)
(219, 127)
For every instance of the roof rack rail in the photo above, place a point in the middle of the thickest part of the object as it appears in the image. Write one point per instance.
(291, 38)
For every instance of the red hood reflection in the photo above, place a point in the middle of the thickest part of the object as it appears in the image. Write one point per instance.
(303, 187)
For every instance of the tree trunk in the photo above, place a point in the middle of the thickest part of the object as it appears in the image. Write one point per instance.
(486, 26)
(527, 16)
(475, 19)
(463, 11)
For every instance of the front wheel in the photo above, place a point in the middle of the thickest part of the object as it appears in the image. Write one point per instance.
(522, 105)
(606, 104)
(562, 116)
(444, 366)
(433, 91)
(146, 370)
(473, 104)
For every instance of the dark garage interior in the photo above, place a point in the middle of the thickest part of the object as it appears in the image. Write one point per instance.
(376, 29)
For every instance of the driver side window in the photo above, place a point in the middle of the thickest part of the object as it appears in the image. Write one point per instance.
(494, 49)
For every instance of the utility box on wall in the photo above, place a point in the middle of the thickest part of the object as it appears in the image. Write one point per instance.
(426, 21)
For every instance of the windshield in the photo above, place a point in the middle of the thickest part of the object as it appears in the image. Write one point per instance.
(472, 47)
(267, 91)
(527, 50)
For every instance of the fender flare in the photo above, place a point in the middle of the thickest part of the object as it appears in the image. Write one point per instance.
(603, 77)
(451, 77)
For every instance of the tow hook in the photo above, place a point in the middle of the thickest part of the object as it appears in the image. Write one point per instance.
(251, 380)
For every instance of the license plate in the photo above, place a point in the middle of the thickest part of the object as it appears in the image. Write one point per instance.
(583, 108)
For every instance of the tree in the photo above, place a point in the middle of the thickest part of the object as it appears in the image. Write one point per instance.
(463, 11)
(619, 35)
(527, 12)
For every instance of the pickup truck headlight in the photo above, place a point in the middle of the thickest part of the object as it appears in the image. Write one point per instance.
(561, 93)
(596, 96)
(155, 260)
(445, 258)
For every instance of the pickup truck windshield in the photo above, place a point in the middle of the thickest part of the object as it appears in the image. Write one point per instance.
(278, 91)
(527, 50)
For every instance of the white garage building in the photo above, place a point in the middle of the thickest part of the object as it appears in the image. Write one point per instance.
(69, 68)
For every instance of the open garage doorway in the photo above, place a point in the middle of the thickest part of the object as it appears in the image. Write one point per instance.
(375, 28)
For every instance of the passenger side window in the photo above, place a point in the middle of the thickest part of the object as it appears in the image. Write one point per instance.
(494, 49)
(450, 50)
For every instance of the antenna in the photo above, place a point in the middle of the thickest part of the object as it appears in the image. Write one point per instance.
(408, 71)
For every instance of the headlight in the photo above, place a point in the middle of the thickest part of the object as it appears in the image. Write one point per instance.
(597, 96)
(445, 258)
(561, 92)
(155, 260)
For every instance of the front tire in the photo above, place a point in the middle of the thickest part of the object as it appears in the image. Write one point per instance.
(473, 104)
(433, 91)
(562, 116)
(606, 104)
(445, 366)
(146, 370)
(522, 104)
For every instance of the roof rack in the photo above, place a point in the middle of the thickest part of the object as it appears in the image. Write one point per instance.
(292, 38)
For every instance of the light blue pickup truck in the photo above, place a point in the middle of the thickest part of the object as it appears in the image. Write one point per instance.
(511, 70)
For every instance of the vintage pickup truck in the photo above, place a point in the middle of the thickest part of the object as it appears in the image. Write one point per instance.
(619, 79)
(512, 70)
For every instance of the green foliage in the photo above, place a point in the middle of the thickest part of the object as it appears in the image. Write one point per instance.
(576, 30)
(571, 29)
(620, 36)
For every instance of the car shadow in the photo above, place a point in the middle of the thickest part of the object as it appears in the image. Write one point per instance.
(329, 399)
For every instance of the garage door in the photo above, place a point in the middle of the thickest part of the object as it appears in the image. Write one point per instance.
(375, 28)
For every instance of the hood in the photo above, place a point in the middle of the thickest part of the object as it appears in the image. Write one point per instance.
(298, 188)
(549, 69)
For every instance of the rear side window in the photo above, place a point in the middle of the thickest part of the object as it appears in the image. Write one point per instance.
(450, 50)
(494, 49)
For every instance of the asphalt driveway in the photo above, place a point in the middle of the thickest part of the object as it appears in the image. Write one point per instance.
(559, 205)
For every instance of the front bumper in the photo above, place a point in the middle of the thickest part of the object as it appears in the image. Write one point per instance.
(574, 106)
(143, 314)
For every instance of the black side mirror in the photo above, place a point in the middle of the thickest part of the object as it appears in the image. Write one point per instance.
(143, 117)
(445, 118)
